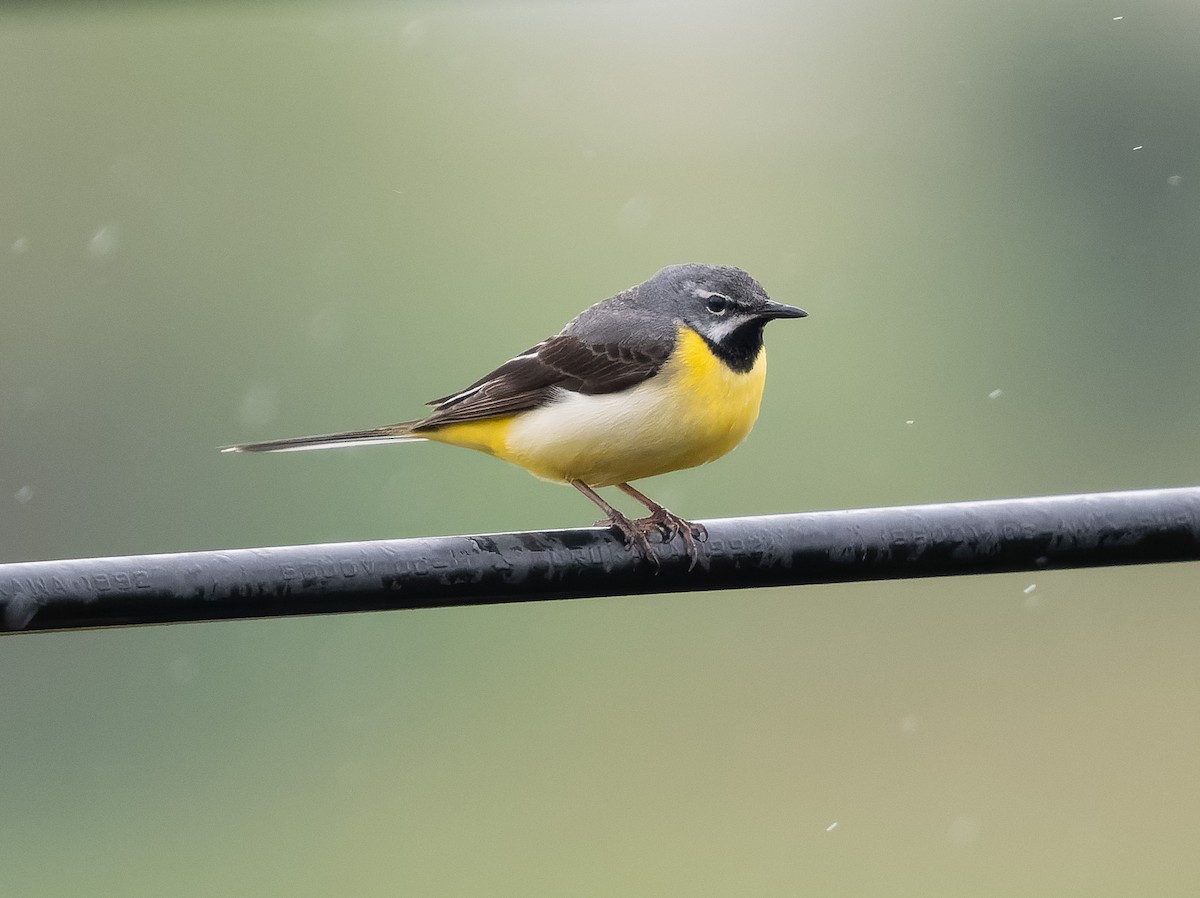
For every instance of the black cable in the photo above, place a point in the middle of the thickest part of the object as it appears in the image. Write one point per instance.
(821, 547)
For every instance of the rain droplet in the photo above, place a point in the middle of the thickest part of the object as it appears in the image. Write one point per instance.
(24, 494)
(637, 213)
(1175, 180)
(20, 245)
(325, 328)
(183, 670)
(995, 394)
(259, 406)
(964, 830)
(415, 33)
(104, 241)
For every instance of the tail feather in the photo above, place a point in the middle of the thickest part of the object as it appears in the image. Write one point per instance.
(393, 433)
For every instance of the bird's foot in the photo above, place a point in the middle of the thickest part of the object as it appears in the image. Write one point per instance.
(666, 524)
(633, 534)
(670, 525)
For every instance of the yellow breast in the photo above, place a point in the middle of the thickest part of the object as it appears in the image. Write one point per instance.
(719, 405)
(693, 411)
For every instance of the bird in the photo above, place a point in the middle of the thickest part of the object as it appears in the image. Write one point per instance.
(666, 375)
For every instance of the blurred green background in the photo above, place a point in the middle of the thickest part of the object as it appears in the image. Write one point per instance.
(237, 222)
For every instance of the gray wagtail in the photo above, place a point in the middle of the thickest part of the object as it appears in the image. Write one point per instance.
(667, 375)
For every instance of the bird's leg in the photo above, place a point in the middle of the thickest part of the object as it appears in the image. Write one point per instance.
(667, 523)
(635, 537)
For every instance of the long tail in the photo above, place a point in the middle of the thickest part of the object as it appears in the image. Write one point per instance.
(393, 433)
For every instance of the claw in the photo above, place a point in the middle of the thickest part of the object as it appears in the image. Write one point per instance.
(670, 525)
(660, 521)
(634, 536)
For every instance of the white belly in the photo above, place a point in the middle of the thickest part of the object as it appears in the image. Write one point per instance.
(685, 416)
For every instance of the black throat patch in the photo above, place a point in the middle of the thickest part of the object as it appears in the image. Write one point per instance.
(739, 350)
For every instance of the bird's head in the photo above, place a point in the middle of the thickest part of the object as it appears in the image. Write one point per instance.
(724, 305)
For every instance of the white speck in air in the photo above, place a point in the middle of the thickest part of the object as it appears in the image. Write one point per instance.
(1174, 180)
(20, 245)
(831, 827)
(183, 670)
(259, 406)
(1032, 599)
(911, 421)
(637, 213)
(1117, 18)
(1140, 146)
(325, 328)
(995, 394)
(909, 724)
(104, 241)
(415, 33)
(24, 494)
(964, 830)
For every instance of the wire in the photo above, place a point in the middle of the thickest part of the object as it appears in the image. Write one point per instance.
(985, 537)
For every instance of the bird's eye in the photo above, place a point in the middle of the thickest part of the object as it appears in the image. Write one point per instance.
(718, 305)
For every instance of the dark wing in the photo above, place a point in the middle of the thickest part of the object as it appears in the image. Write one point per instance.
(563, 362)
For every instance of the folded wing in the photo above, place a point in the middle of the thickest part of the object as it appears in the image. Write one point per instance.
(563, 362)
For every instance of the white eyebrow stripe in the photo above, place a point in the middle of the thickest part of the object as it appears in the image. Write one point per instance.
(701, 293)
(726, 326)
